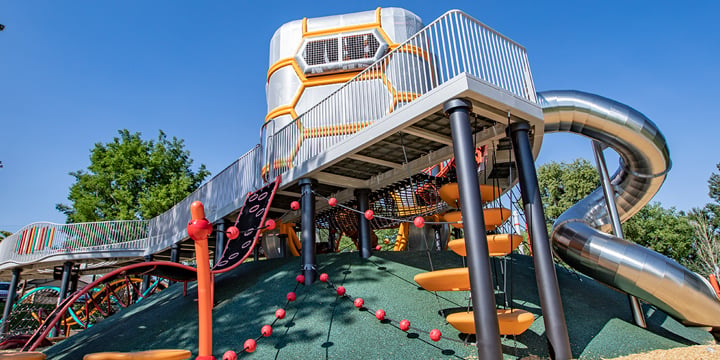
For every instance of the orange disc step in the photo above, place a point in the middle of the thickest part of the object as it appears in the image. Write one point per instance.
(512, 322)
(450, 194)
(457, 279)
(494, 217)
(498, 245)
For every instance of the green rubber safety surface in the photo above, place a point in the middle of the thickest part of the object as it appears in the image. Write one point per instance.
(321, 325)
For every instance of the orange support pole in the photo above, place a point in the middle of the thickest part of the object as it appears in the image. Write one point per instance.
(199, 229)
(714, 283)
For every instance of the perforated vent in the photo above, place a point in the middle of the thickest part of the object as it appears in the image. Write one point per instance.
(320, 52)
(363, 46)
(356, 47)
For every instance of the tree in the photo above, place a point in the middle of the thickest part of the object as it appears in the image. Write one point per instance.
(131, 179)
(562, 185)
(712, 210)
(707, 245)
(4, 234)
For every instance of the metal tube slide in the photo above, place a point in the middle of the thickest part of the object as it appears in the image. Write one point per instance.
(579, 235)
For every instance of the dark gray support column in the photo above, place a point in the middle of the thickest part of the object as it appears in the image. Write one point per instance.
(220, 240)
(481, 284)
(307, 234)
(332, 235)
(146, 278)
(175, 253)
(10, 301)
(283, 245)
(437, 240)
(361, 195)
(174, 257)
(65, 282)
(609, 192)
(550, 302)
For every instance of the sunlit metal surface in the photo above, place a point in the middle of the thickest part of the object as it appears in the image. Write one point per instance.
(579, 236)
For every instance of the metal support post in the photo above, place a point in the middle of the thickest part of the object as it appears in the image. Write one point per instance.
(549, 291)
(361, 195)
(437, 237)
(10, 301)
(146, 278)
(65, 282)
(332, 235)
(307, 234)
(175, 253)
(220, 240)
(481, 284)
(609, 191)
(283, 245)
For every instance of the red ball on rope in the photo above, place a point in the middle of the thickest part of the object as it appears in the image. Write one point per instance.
(300, 279)
(404, 325)
(359, 302)
(280, 313)
(419, 221)
(250, 345)
(294, 205)
(378, 248)
(324, 277)
(270, 224)
(266, 330)
(291, 296)
(380, 314)
(435, 335)
(369, 214)
(229, 355)
(340, 290)
(332, 202)
(232, 233)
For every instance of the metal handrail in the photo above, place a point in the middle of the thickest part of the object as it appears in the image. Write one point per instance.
(453, 44)
(42, 240)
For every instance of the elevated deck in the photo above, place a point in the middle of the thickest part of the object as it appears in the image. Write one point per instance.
(376, 156)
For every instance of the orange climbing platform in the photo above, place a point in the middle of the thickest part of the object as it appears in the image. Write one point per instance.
(449, 193)
(498, 245)
(494, 217)
(511, 322)
(457, 279)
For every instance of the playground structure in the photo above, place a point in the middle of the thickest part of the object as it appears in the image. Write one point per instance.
(362, 109)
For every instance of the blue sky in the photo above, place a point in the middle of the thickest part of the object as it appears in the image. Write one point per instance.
(72, 73)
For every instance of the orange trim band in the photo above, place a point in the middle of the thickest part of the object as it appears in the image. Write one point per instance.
(280, 110)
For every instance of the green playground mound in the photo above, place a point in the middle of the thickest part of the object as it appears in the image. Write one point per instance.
(321, 325)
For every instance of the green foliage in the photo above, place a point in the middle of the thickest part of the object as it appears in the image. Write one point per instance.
(562, 185)
(712, 210)
(666, 231)
(130, 178)
(4, 234)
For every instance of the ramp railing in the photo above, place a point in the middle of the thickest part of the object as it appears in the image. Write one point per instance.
(451, 45)
(44, 240)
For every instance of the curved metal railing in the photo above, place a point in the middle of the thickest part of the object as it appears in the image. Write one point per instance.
(49, 242)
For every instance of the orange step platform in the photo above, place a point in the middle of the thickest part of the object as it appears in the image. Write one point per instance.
(457, 279)
(450, 194)
(494, 217)
(511, 322)
(498, 245)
